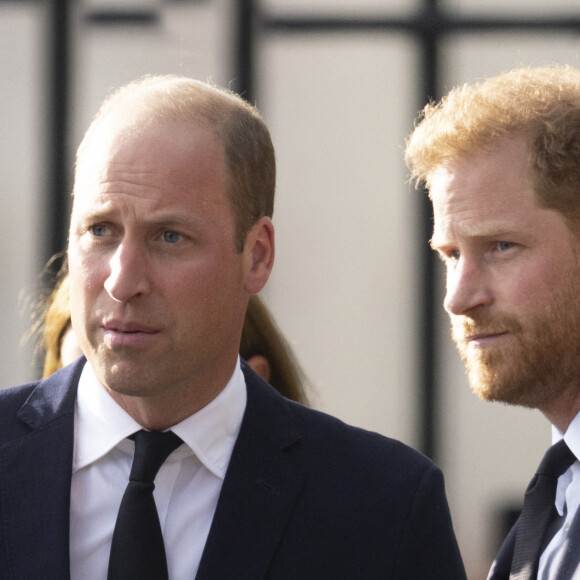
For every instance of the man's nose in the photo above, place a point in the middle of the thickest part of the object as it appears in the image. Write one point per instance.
(467, 287)
(129, 274)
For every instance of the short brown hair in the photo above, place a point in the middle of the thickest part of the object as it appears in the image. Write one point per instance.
(247, 147)
(541, 104)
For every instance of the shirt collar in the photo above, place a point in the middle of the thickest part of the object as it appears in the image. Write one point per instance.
(572, 436)
(210, 433)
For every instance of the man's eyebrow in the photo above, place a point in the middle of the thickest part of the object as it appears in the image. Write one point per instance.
(437, 241)
(475, 233)
(105, 213)
(168, 219)
(95, 214)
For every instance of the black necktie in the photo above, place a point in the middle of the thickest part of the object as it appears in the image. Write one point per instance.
(137, 549)
(538, 511)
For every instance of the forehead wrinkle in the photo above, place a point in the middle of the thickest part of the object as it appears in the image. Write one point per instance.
(112, 196)
(130, 182)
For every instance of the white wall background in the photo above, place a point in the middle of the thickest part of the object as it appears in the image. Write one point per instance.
(22, 166)
(343, 290)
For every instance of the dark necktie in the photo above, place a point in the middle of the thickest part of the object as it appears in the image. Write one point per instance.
(137, 549)
(538, 511)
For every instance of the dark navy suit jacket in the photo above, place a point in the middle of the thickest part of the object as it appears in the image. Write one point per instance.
(501, 567)
(305, 497)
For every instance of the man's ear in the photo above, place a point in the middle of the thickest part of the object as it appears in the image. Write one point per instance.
(258, 255)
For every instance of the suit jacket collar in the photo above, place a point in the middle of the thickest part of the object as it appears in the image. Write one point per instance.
(260, 489)
(35, 475)
(53, 398)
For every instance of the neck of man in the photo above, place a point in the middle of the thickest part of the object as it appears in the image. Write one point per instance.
(161, 411)
(562, 410)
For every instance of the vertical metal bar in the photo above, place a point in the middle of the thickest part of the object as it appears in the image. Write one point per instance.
(429, 399)
(244, 58)
(58, 165)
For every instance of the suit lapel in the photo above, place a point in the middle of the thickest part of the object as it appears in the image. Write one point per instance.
(35, 475)
(259, 492)
(501, 567)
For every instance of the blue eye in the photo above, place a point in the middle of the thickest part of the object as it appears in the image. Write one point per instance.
(99, 230)
(503, 246)
(171, 237)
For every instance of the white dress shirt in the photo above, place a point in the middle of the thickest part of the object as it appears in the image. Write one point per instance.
(567, 500)
(187, 486)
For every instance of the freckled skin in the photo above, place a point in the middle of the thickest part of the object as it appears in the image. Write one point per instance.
(513, 281)
(158, 290)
